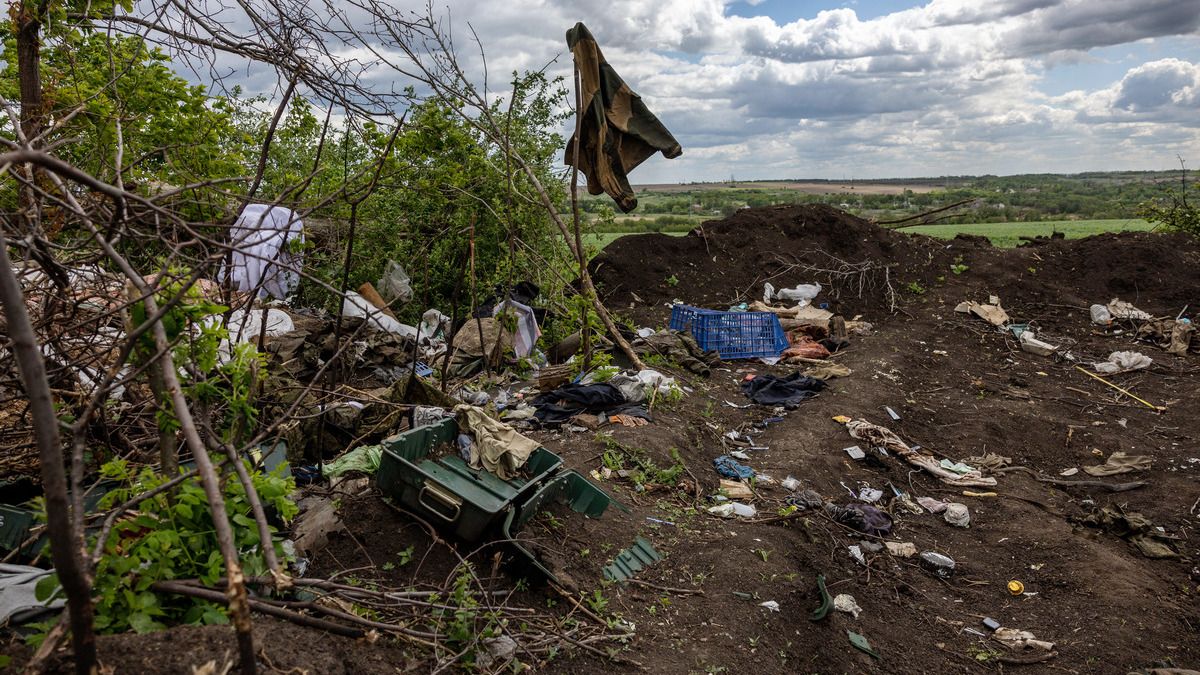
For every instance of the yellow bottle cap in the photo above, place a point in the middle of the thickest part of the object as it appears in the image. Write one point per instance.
(1015, 587)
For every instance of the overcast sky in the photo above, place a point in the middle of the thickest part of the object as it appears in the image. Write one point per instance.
(763, 89)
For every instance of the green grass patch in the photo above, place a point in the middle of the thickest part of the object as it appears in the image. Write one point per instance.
(1007, 235)
(602, 239)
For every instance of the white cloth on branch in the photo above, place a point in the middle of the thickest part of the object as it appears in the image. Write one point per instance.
(264, 252)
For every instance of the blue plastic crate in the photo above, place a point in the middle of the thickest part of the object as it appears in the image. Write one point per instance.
(733, 335)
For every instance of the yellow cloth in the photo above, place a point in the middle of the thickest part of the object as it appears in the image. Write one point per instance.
(498, 448)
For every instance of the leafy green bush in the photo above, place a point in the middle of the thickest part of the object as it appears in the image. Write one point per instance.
(171, 536)
(1174, 213)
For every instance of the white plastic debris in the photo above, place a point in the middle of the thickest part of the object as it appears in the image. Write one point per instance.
(870, 495)
(771, 605)
(957, 514)
(844, 602)
(857, 554)
(357, 306)
(1101, 315)
(433, 324)
(801, 295)
(1124, 310)
(905, 549)
(645, 332)
(730, 509)
(1123, 362)
(395, 284)
(790, 483)
(1031, 344)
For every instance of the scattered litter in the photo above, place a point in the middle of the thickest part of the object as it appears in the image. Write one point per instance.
(1016, 587)
(736, 489)
(802, 295)
(857, 554)
(738, 454)
(1119, 462)
(971, 493)
(870, 546)
(827, 371)
(940, 565)
(826, 601)
(1122, 362)
(728, 467)
(990, 461)
(730, 509)
(870, 495)
(878, 436)
(901, 549)
(892, 414)
(957, 467)
(844, 602)
(841, 419)
(364, 459)
(1119, 309)
(933, 505)
(1069, 472)
(990, 623)
(1021, 639)
(1033, 345)
(993, 313)
(659, 521)
(861, 644)
(770, 605)
(790, 484)
(789, 392)
(1152, 541)
(855, 452)
(862, 517)
(1100, 315)
(957, 514)
(808, 500)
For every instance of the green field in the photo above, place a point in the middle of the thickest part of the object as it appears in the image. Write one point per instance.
(602, 239)
(1005, 235)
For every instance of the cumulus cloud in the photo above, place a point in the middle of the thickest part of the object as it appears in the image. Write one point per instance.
(951, 86)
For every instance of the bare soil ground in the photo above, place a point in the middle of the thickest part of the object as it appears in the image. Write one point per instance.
(961, 389)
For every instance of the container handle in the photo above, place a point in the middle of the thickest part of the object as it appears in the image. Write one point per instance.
(441, 498)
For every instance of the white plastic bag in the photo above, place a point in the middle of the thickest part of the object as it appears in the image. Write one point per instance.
(394, 286)
(801, 295)
(357, 306)
(1122, 362)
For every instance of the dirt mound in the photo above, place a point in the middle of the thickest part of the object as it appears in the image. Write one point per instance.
(869, 269)
(725, 262)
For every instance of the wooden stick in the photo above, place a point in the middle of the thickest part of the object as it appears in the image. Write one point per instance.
(1156, 408)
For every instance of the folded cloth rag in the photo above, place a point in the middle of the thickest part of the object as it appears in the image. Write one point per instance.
(498, 447)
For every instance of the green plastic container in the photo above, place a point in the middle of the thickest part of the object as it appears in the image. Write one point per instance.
(467, 501)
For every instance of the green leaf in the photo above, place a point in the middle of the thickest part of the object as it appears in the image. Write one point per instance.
(141, 622)
(46, 588)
